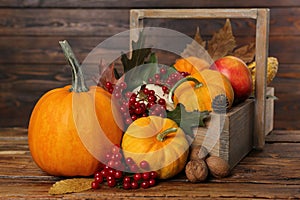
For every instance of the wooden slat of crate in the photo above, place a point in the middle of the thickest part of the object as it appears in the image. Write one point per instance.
(235, 140)
(269, 123)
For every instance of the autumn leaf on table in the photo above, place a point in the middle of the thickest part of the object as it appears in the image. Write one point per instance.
(222, 43)
(71, 186)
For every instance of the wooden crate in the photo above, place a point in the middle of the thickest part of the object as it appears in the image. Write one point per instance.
(230, 135)
(246, 125)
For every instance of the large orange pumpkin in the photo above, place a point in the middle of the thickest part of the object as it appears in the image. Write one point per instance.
(160, 142)
(71, 127)
(200, 98)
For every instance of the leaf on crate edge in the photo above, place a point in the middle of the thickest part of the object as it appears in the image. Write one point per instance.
(245, 52)
(222, 43)
(194, 48)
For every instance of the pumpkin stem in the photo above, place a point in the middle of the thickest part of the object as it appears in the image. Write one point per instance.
(189, 78)
(78, 83)
(161, 136)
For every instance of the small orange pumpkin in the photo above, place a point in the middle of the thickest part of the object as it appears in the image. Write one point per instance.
(213, 83)
(160, 142)
(64, 132)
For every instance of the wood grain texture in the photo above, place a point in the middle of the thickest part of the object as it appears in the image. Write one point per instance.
(143, 3)
(32, 42)
(269, 174)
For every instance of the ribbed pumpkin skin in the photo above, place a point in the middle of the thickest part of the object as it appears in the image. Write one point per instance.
(191, 65)
(213, 84)
(53, 139)
(168, 157)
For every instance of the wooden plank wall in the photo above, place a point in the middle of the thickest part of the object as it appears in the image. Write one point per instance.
(31, 61)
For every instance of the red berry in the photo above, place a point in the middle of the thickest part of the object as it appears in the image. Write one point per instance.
(156, 76)
(108, 85)
(144, 165)
(129, 161)
(99, 179)
(118, 174)
(107, 156)
(117, 164)
(134, 117)
(112, 182)
(146, 91)
(152, 182)
(137, 176)
(162, 102)
(111, 172)
(128, 120)
(163, 70)
(104, 172)
(138, 110)
(145, 184)
(126, 185)
(123, 85)
(134, 168)
(152, 98)
(95, 185)
(110, 177)
(97, 174)
(151, 92)
(153, 175)
(146, 175)
(165, 89)
(115, 149)
(117, 156)
(110, 163)
(134, 184)
(126, 179)
(128, 94)
(150, 80)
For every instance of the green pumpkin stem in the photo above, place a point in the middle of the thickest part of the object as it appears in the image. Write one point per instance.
(189, 78)
(78, 82)
(161, 136)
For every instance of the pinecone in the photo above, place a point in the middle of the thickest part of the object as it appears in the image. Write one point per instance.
(220, 104)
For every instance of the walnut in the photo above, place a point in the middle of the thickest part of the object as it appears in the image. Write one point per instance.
(217, 166)
(198, 152)
(196, 170)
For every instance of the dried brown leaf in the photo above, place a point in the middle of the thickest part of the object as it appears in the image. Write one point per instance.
(196, 48)
(71, 185)
(245, 52)
(222, 42)
(199, 39)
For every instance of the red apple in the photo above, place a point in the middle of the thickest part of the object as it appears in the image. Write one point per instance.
(238, 74)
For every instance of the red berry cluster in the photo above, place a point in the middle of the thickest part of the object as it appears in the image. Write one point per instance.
(145, 102)
(115, 176)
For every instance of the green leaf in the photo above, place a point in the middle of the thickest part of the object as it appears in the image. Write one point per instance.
(139, 75)
(188, 120)
(139, 54)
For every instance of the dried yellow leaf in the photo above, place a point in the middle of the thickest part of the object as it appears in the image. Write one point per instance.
(71, 185)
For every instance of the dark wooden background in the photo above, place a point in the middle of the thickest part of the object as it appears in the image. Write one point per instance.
(31, 61)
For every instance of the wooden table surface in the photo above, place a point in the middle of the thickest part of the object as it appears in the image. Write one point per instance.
(273, 173)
